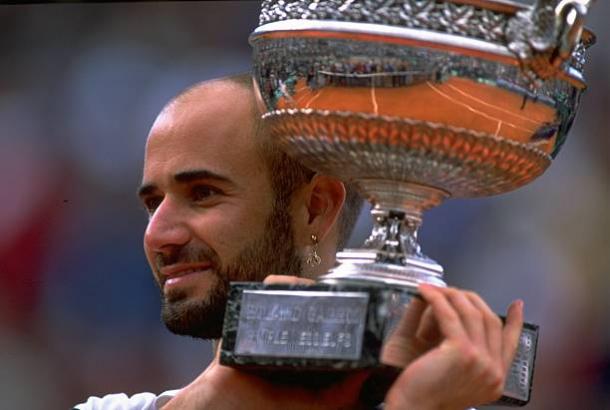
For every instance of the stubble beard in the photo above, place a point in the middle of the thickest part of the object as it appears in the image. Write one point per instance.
(272, 254)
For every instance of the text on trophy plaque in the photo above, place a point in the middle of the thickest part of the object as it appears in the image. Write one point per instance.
(321, 324)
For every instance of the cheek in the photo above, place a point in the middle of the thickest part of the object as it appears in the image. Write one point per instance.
(228, 230)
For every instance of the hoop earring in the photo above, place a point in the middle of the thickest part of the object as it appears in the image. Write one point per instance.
(313, 259)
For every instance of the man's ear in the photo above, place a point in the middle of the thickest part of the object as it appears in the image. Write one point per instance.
(324, 198)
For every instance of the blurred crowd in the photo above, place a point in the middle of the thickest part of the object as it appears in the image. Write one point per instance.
(80, 85)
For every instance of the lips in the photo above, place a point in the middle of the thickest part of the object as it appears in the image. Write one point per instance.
(173, 273)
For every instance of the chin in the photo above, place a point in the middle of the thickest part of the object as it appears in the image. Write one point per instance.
(199, 317)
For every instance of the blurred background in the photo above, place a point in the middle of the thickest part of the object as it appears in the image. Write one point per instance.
(80, 85)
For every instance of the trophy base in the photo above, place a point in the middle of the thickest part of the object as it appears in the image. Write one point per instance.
(325, 330)
(322, 326)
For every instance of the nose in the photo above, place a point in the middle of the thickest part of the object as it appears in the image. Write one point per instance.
(167, 228)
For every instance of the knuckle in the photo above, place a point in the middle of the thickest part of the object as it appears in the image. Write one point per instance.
(469, 355)
(271, 279)
(495, 379)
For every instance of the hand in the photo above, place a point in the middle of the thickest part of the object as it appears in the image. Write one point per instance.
(225, 388)
(416, 333)
(469, 365)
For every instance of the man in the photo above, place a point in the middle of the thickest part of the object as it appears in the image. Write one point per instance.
(226, 205)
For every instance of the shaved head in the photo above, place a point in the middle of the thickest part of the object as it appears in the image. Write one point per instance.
(286, 173)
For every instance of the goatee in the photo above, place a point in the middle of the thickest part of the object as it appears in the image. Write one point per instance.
(272, 254)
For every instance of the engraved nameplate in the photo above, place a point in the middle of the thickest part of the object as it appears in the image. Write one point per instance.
(305, 324)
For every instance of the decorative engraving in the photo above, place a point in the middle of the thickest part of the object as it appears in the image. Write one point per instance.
(531, 32)
(353, 146)
(452, 18)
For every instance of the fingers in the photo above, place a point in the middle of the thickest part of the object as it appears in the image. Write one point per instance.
(465, 316)
(492, 323)
(287, 280)
(473, 356)
(448, 319)
(410, 320)
(471, 316)
(398, 349)
(512, 332)
(428, 330)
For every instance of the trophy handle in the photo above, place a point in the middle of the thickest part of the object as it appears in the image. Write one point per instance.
(570, 16)
(545, 37)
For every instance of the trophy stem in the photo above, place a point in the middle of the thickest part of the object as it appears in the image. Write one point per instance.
(394, 234)
(391, 255)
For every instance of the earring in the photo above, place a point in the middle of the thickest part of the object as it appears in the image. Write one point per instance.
(313, 259)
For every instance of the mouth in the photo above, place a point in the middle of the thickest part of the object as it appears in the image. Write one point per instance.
(174, 275)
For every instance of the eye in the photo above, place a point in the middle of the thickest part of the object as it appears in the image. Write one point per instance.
(151, 203)
(204, 192)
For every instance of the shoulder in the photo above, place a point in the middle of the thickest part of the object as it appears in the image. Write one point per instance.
(121, 401)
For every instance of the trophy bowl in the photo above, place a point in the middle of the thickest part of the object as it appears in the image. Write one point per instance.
(413, 102)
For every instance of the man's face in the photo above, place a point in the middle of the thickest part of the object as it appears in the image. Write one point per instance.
(213, 219)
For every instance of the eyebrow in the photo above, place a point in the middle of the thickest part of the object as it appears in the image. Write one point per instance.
(195, 175)
(184, 177)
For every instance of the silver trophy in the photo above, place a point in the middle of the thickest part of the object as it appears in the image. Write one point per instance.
(413, 101)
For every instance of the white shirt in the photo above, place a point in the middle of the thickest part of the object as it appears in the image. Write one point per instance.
(140, 401)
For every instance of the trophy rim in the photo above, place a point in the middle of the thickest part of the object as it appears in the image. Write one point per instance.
(407, 36)
(495, 30)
